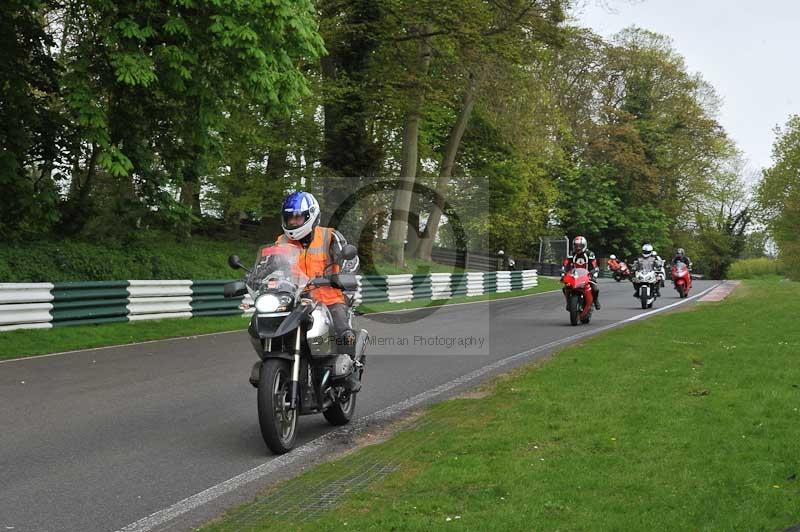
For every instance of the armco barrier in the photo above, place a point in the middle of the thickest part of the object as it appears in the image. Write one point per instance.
(154, 300)
(441, 286)
(474, 283)
(503, 281)
(25, 305)
(92, 302)
(44, 305)
(208, 299)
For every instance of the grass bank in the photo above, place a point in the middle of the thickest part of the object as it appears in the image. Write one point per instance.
(146, 255)
(756, 268)
(686, 421)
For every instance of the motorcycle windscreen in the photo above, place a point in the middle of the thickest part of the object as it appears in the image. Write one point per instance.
(278, 269)
(579, 272)
(581, 276)
(647, 266)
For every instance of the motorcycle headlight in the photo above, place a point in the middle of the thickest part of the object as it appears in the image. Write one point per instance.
(267, 303)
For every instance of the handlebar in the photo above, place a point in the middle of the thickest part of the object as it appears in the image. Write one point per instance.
(342, 281)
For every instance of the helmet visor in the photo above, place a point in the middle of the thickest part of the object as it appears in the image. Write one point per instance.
(295, 219)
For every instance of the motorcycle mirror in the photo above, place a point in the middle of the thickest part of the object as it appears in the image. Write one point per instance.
(349, 252)
(234, 262)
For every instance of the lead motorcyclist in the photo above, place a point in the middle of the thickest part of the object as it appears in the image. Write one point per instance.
(583, 258)
(649, 260)
(321, 250)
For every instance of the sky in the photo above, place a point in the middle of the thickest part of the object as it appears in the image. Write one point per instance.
(749, 51)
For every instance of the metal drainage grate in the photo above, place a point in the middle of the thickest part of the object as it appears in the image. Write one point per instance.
(303, 502)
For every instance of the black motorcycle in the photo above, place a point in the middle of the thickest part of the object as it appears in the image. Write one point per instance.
(300, 370)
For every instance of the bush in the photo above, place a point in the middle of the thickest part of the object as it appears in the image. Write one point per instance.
(752, 268)
(145, 255)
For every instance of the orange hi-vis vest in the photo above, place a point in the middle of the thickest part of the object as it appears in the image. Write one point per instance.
(314, 260)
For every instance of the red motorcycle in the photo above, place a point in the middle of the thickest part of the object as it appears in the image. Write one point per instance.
(682, 279)
(578, 293)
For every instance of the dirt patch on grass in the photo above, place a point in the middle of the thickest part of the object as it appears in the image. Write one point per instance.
(383, 433)
(722, 291)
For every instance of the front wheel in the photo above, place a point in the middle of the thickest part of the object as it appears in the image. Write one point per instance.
(277, 421)
(341, 411)
(644, 295)
(681, 291)
(574, 309)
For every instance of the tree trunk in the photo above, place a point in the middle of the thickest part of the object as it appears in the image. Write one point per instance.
(413, 235)
(190, 192)
(274, 188)
(398, 229)
(231, 216)
(425, 247)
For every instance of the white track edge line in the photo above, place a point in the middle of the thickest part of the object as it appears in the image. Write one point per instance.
(188, 504)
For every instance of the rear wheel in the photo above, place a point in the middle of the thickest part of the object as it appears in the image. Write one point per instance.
(574, 309)
(277, 421)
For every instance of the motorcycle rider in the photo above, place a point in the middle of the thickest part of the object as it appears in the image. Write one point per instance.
(649, 260)
(613, 263)
(680, 256)
(321, 248)
(583, 258)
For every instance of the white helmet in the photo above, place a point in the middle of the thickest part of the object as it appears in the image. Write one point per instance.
(299, 204)
(647, 250)
(613, 257)
(579, 245)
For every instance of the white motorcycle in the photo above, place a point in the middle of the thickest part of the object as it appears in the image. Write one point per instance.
(648, 282)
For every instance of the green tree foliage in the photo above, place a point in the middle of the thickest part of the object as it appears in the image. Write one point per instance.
(144, 88)
(193, 116)
(779, 194)
(29, 126)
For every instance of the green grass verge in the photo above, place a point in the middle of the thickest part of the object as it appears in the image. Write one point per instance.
(22, 343)
(688, 421)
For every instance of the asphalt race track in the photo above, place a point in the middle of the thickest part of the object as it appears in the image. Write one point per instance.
(98, 440)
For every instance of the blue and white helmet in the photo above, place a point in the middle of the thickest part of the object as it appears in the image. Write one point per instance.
(299, 204)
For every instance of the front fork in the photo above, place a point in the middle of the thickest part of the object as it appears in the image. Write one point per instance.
(295, 371)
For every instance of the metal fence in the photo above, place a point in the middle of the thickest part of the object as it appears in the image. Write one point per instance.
(46, 305)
